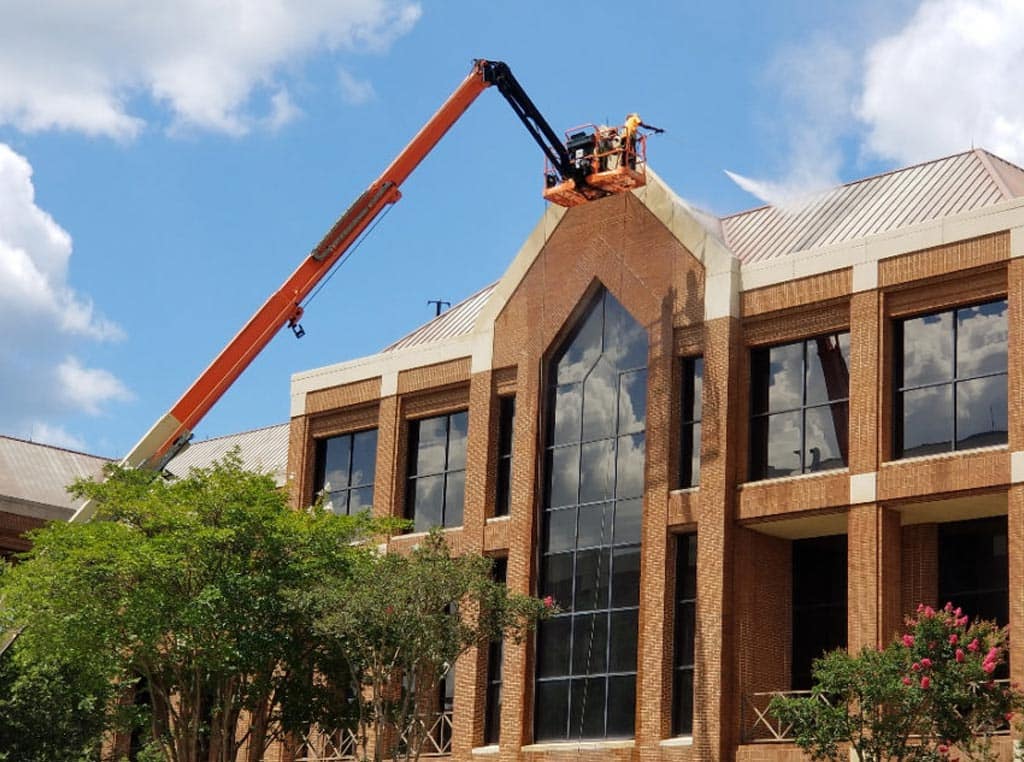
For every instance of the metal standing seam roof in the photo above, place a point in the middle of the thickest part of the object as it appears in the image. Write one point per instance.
(951, 185)
(39, 473)
(264, 449)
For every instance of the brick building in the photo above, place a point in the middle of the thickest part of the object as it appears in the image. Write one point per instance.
(722, 445)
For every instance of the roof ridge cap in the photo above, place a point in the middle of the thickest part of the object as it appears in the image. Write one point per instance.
(54, 447)
(859, 180)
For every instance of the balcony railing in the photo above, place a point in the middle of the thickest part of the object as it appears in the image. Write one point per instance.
(343, 746)
(438, 742)
(318, 746)
(759, 725)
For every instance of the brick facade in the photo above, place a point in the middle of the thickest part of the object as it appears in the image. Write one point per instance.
(889, 510)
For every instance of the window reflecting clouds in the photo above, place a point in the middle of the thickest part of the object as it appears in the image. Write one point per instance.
(951, 380)
(437, 473)
(692, 412)
(799, 401)
(345, 471)
(590, 532)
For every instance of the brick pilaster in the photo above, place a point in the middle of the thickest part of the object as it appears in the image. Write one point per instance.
(715, 690)
(873, 576)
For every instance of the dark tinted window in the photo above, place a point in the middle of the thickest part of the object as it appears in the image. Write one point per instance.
(437, 471)
(974, 571)
(492, 710)
(685, 628)
(799, 403)
(345, 471)
(590, 529)
(951, 380)
(506, 423)
(819, 602)
(692, 412)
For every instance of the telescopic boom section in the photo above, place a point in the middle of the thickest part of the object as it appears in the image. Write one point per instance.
(172, 432)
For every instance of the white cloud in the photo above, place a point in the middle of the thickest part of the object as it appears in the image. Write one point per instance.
(83, 66)
(42, 318)
(87, 389)
(58, 436)
(944, 80)
(948, 79)
(815, 87)
(354, 90)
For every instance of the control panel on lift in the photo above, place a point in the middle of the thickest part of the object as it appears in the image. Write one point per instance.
(604, 160)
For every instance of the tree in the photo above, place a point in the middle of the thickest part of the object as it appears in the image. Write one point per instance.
(182, 589)
(929, 695)
(395, 627)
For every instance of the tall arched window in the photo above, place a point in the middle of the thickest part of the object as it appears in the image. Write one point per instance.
(590, 527)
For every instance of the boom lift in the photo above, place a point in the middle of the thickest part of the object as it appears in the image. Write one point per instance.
(592, 163)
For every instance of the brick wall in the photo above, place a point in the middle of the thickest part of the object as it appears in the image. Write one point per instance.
(744, 601)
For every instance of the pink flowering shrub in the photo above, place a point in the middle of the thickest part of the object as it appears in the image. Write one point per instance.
(924, 697)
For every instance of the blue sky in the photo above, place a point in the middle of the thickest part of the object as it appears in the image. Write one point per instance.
(162, 170)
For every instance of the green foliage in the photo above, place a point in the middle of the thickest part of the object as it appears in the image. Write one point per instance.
(392, 630)
(185, 586)
(48, 712)
(930, 695)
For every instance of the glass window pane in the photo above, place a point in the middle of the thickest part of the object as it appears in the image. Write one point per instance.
(625, 340)
(684, 635)
(567, 414)
(621, 706)
(506, 424)
(981, 412)
(927, 421)
(828, 368)
(457, 440)
(563, 476)
(629, 467)
(981, 339)
(337, 502)
(785, 377)
(682, 709)
(586, 713)
(503, 498)
(364, 457)
(492, 719)
(823, 446)
(783, 446)
(556, 578)
(600, 391)
(552, 711)
(454, 497)
(591, 580)
(686, 567)
(632, 401)
(693, 479)
(590, 644)
(360, 500)
(596, 478)
(928, 349)
(627, 521)
(697, 379)
(561, 530)
(554, 636)
(595, 526)
(430, 434)
(626, 576)
(585, 348)
(336, 460)
(428, 497)
(624, 629)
